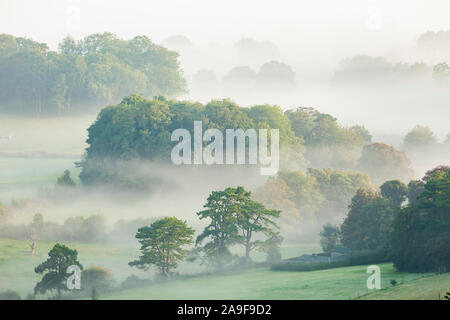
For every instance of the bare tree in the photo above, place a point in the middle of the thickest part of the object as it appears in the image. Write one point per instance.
(35, 231)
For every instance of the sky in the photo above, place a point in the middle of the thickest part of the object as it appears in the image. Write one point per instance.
(334, 26)
(312, 36)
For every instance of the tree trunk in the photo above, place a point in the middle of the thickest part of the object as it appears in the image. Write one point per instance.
(247, 254)
(247, 248)
(167, 266)
(33, 248)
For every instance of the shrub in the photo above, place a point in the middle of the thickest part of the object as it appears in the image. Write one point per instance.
(367, 257)
(354, 258)
(96, 278)
(134, 281)
(9, 295)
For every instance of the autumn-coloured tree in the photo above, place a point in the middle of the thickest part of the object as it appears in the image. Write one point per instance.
(383, 162)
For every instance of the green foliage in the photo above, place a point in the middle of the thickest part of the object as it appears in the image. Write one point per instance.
(272, 248)
(368, 222)
(329, 238)
(306, 193)
(96, 279)
(363, 69)
(140, 129)
(438, 171)
(65, 180)
(363, 132)
(94, 294)
(9, 295)
(54, 269)
(90, 229)
(421, 232)
(97, 70)
(235, 219)
(320, 129)
(318, 195)
(338, 187)
(394, 190)
(419, 137)
(355, 258)
(222, 230)
(328, 144)
(253, 218)
(276, 73)
(134, 281)
(415, 189)
(37, 227)
(441, 72)
(162, 244)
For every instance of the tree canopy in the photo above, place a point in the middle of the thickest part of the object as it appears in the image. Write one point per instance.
(60, 257)
(421, 232)
(162, 244)
(234, 218)
(139, 128)
(319, 195)
(83, 75)
(383, 162)
(328, 144)
(367, 224)
(419, 136)
(394, 190)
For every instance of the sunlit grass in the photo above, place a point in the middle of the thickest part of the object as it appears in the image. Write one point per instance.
(340, 283)
(17, 266)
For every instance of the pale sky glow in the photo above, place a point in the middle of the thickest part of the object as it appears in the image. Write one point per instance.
(312, 36)
(329, 24)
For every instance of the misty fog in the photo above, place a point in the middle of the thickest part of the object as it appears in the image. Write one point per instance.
(383, 65)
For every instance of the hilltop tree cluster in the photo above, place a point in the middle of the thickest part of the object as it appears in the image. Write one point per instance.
(140, 129)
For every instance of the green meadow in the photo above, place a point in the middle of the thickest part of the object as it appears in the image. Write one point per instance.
(17, 272)
(24, 170)
(261, 283)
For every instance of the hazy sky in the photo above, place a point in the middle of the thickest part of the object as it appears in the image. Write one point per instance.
(313, 37)
(319, 27)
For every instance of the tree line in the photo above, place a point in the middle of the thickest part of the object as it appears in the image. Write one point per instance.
(233, 219)
(84, 75)
(140, 129)
(410, 223)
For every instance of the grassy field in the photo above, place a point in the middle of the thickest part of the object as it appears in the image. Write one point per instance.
(340, 283)
(35, 151)
(16, 272)
(17, 266)
(64, 136)
(34, 157)
(23, 176)
(428, 288)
